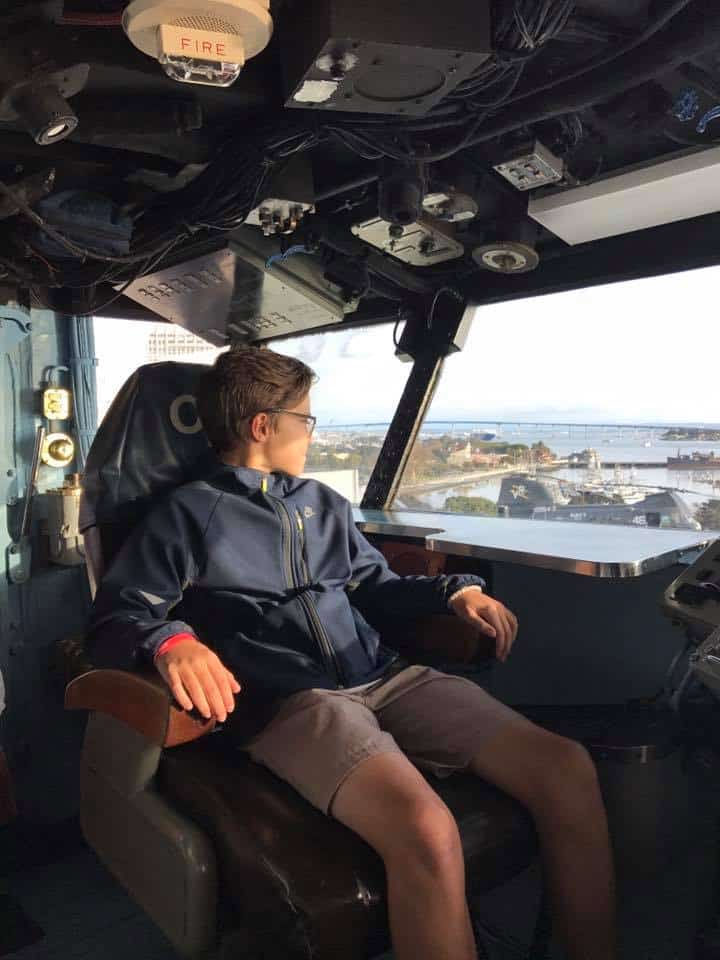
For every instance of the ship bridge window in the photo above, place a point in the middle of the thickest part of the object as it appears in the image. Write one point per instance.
(121, 346)
(591, 406)
(359, 385)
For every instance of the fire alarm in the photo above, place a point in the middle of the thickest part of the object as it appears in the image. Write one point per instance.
(206, 43)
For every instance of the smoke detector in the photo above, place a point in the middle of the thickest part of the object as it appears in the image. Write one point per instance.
(506, 257)
(204, 42)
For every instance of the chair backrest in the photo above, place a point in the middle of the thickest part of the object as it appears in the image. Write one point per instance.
(150, 440)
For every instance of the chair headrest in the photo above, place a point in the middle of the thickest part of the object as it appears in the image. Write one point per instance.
(149, 441)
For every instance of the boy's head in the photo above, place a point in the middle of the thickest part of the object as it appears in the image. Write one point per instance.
(255, 407)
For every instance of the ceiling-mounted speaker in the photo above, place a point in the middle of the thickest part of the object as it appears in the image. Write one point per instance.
(382, 56)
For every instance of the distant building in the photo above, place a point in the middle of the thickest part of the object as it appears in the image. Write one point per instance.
(586, 458)
(487, 459)
(171, 342)
(461, 456)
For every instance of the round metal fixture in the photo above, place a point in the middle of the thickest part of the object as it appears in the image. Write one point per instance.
(506, 257)
(58, 450)
(45, 113)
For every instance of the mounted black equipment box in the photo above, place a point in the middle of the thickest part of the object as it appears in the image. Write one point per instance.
(382, 56)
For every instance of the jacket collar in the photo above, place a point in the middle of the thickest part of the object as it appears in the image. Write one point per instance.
(248, 479)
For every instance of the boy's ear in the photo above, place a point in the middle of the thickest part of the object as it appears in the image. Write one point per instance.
(254, 428)
(260, 427)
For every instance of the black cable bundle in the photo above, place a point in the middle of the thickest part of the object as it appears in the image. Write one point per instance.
(221, 197)
(521, 30)
(218, 200)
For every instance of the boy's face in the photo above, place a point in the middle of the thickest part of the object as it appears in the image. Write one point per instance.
(285, 447)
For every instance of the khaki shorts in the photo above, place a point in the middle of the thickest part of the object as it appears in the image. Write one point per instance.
(318, 737)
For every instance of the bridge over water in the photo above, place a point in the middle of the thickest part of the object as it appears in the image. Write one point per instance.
(537, 424)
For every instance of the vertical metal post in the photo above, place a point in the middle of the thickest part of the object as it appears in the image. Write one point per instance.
(443, 332)
(409, 415)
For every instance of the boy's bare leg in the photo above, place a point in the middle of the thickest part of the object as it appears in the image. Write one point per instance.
(556, 780)
(391, 806)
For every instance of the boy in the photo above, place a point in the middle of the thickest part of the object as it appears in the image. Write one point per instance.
(277, 581)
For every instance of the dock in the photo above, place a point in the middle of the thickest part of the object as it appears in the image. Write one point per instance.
(477, 476)
(623, 464)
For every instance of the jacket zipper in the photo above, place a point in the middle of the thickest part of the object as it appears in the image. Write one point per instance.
(306, 602)
(303, 548)
(287, 555)
(312, 609)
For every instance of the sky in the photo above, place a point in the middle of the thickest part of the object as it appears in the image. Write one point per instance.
(634, 352)
(639, 351)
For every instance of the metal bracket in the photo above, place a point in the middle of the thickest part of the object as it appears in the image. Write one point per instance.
(18, 556)
(688, 557)
(15, 325)
(19, 553)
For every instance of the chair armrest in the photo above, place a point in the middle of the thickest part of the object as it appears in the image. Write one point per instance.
(445, 637)
(141, 700)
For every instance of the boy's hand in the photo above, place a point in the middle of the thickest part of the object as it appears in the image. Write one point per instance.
(197, 678)
(489, 616)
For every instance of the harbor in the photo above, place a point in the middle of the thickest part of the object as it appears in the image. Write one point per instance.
(651, 475)
(626, 476)
(462, 479)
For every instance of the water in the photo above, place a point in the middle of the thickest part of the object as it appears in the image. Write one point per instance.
(652, 478)
(617, 444)
(623, 445)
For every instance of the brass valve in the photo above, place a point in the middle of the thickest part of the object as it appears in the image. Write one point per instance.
(58, 450)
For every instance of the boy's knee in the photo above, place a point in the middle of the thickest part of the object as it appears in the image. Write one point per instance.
(427, 838)
(566, 773)
(575, 764)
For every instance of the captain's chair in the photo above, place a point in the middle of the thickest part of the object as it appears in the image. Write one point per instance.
(217, 850)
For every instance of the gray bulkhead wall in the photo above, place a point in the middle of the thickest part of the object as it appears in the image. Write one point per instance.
(584, 640)
(41, 740)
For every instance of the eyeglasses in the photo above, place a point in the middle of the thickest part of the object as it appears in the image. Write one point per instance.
(310, 421)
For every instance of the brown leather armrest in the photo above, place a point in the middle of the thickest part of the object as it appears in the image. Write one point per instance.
(445, 637)
(141, 700)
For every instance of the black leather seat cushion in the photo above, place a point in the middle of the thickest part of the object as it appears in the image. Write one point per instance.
(305, 884)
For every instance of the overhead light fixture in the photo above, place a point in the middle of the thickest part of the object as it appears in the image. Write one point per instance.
(683, 187)
(40, 103)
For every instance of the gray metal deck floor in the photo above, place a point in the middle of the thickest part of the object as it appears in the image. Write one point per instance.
(84, 914)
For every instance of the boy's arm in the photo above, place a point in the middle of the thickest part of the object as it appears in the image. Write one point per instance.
(374, 586)
(376, 589)
(130, 618)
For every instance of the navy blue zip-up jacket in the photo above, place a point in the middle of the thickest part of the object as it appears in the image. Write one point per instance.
(269, 571)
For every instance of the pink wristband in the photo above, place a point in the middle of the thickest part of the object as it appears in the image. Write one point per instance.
(171, 642)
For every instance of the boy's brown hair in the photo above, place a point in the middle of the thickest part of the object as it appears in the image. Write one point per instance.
(244, 382)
